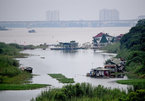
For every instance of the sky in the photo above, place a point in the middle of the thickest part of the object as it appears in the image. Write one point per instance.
(35, 10)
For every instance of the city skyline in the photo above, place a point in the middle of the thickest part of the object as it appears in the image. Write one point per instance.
(108, 15)
(52, 15)
(35, 10)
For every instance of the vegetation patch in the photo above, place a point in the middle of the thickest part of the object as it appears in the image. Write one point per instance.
(21, 86)
(131, 81)
(11, 77)
(81, 92)
(137, 83)
(61, 78)
(112, 48)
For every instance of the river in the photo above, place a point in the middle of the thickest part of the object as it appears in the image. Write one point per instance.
(55, 35)
(73, 64)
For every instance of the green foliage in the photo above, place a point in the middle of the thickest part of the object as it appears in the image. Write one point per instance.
(135, 38)
(61, 78)
(112, 48)
(6, 49)
(8, 66)
(136, 62)
(132, 47)
(141, 22)
(138, 95)
(21, 86)
(9, 71)
(81, 92)
(137, 83)
(57, 75)
(22, 77)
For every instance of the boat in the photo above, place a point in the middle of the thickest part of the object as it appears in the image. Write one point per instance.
(27, 69)
(32, 31)
(99, 72)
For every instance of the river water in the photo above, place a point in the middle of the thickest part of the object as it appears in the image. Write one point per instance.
(73, 64)
(55, 35)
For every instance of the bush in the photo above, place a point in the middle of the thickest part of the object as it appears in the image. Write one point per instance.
(138, 95)
(112, 48)
(81, 92)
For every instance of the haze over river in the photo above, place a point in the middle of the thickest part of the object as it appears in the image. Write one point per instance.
(73, 64)
(55, 35)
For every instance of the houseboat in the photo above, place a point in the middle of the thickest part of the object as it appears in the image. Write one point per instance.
(72, 45)
(113, 68)
(99, 72)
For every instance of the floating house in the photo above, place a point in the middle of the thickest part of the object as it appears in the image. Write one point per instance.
(115, 65)
(66, 46)
(102, 39)
(113, 68)
(99, 72)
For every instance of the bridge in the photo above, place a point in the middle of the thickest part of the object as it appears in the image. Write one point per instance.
(79, 23)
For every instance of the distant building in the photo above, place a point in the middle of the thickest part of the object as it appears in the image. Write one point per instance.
(52, 15)
(102, 39)
(68, 45)
(108, 15)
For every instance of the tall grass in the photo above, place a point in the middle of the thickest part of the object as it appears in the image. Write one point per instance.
(137, 83)
(8, 66)
(81, 92)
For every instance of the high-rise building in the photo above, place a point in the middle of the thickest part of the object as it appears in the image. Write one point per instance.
(52, 15)
(108, 15)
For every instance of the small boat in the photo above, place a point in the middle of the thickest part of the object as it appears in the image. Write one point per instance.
(42, 57)
(27, 69)
(32, 31)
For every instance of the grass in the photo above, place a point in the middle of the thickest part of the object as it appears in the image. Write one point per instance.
(21, 86)
(61, 78)
(112, 48)
(132, 81)
(137, 83)
(21, 55)
(11, 77)
(81, 92)
(18, 79)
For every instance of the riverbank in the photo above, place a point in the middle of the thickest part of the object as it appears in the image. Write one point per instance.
(22, 86)
(11, 76)
(131, 48)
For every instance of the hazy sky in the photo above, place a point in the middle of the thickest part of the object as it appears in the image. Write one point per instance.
(69, 9)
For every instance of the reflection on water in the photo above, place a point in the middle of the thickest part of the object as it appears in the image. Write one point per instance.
(73, 64)
(69, 52)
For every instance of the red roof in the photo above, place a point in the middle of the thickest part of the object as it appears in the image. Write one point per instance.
(100, 34)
